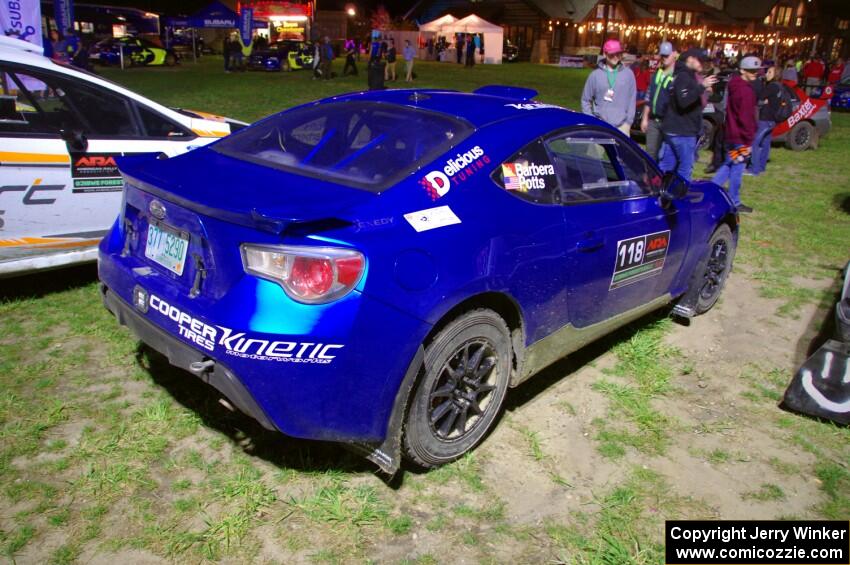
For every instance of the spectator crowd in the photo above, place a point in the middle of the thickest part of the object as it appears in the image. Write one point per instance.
(674, 96)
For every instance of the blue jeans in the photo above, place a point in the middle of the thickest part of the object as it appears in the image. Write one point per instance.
(732, 172)
(677, 154)
(761, 147)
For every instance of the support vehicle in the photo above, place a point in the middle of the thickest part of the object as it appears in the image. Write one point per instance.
(61, 130)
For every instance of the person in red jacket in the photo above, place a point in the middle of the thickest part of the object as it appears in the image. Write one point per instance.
(813, 72)
(836, 71)
(741, 125)
(642, 76)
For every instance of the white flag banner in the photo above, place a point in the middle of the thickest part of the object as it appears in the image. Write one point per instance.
(22, 19)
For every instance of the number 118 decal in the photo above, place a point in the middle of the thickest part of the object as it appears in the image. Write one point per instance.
(639, 258)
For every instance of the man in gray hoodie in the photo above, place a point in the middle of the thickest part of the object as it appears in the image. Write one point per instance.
(609, 93)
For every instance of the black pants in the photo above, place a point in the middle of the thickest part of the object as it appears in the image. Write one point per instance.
(718, 149)
(349, 64)
(227, 60)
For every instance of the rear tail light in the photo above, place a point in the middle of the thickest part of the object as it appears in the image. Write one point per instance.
(313, 275)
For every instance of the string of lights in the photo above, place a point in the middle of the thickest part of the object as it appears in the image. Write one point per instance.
(684, 32)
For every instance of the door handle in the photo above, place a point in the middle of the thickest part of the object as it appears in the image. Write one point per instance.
(590, 244)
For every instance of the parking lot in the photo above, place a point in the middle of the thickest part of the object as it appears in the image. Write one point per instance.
(109, 455)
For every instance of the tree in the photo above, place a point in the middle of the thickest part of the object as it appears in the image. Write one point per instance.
(381, 19)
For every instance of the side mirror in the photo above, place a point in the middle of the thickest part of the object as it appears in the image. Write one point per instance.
(673, 187)
(74, 139)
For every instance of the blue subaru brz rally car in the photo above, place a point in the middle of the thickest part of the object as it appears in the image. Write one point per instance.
(380, 268)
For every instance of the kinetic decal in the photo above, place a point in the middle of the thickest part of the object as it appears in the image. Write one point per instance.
(524, 176)
(457, 169)
(432, 218)
(239, 344)
(95, 172)
(639, 258)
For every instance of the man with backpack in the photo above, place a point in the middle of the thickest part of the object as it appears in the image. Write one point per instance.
(774, 107)
(657, 98)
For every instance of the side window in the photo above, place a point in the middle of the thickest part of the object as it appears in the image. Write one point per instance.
(157, 126)
(530, 175)
(104, 113)
(592, 165)
(31, 104)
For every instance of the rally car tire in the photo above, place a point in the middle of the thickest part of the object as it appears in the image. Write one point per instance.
(801, 136)
(458, 398)
(712, 278)
(170, 60)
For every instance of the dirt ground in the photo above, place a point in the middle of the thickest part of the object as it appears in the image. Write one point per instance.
(537, 490)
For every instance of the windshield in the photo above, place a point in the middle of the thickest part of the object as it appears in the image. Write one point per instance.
(368, 145)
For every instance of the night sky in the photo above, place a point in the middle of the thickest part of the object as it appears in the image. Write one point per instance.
(175, 7)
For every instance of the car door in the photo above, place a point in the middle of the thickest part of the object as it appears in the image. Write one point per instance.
(531, 245)
(75, 129)
(624, 245)
(35, 166)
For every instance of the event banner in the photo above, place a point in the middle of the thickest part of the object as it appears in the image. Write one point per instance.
(757, 542)
(63, 11)
(21, 19)
(246, 25)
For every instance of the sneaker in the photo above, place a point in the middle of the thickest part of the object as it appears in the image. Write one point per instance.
(744, 209)
(749, 173)
(711, 169)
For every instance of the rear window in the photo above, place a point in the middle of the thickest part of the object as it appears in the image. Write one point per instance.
(368, 145)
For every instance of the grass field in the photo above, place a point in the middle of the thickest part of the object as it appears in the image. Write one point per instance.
(108, 455)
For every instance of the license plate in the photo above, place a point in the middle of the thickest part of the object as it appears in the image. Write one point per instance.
(167, 248)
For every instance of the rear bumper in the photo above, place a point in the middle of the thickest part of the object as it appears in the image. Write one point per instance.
(184, 357)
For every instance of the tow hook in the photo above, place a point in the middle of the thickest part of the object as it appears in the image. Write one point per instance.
(199, 368)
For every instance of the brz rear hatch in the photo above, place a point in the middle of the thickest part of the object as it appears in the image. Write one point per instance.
(187, 217)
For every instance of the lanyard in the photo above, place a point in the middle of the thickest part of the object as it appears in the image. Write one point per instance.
(661, 81)
(611, 81)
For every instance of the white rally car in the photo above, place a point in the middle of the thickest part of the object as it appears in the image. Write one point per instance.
(60, 132)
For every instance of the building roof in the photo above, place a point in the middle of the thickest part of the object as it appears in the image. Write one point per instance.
(562, 9)
(750, 9)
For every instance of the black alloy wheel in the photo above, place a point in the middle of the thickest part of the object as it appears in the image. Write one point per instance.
(459, 394)
(462, 391)
(717, 268)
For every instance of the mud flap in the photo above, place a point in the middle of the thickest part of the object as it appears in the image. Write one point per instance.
(387, 454)
(685, 306)
(821, 387)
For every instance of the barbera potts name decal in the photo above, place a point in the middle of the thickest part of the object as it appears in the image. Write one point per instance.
(523, 176)
(457, 170)
(240, 344)
(639, 258)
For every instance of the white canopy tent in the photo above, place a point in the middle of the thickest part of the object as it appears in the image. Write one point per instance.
(493, 35)
(436, 26)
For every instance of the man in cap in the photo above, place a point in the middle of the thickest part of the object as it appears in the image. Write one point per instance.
(682, 121)
(609, 93)
(741, 126)
(657, 98)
